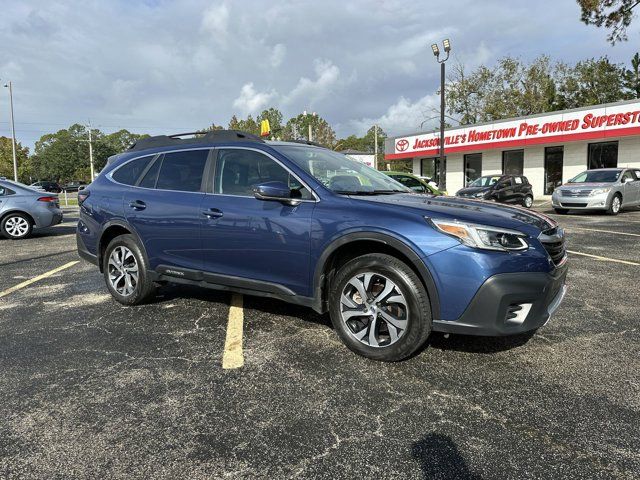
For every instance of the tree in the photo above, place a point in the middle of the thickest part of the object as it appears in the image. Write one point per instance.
(590, 82)
(249, 125)
(298, 127)
(632, 77)
(6, 158)
(121, 140)
(275, 121)
(615, 15)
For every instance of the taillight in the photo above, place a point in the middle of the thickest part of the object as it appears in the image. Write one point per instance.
(48, 199)
(82, 196)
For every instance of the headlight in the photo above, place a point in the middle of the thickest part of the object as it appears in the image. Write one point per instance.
(482, 236)
(599, 191)
(479, 195)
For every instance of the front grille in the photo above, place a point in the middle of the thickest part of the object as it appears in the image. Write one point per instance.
(553, 242)
(574, 194)
(573, 204)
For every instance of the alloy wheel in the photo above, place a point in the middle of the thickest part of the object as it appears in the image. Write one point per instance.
(528, 202)
(615, 204)
(16, 226)
(123, 271)
(374, 310)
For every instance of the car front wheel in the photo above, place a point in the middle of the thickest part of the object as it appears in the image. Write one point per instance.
(125, 271)
(528, 201)
(16, 226)
(616, 203)
(380, 308)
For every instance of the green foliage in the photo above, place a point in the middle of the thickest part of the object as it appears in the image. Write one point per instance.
(632, 76)
(297, 128)
(6, 158)
(615, 15)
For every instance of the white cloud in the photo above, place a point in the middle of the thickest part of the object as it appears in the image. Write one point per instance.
(404, 116)
(307, 90)
(277, 55)
(251, 101)
(216, 21)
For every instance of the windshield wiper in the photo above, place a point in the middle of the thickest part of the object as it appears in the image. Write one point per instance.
(368, 192)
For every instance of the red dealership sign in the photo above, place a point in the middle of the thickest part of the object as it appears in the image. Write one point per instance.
(611, 121)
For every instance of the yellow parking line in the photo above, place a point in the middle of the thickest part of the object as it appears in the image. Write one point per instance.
(603, 231)
(233, 357)
(26, 283)
(604, 259)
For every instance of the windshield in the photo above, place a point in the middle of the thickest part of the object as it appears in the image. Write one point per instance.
(597, 176)
(485, 181)
(339, 173)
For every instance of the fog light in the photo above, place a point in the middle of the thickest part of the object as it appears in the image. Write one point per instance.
(517, 313)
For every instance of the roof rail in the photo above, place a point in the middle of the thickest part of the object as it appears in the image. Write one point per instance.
(203, 137)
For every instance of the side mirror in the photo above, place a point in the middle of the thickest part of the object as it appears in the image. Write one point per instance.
(274, 191)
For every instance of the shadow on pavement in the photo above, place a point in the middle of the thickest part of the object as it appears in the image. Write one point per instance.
(439, 457)
(474, 344)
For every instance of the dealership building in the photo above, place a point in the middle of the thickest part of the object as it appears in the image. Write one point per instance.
(548, 149)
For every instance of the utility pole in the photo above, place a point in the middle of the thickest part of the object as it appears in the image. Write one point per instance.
(310, 135)
(13, 132)
(441, 171)
(91, 154)
(375, 147)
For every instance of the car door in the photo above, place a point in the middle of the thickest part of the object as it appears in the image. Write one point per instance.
(504, 191)
(264, 244)
(629, 188)
(163, 207)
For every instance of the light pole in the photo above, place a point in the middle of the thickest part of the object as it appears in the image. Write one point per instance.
(314, 114)
(13, 131)
(436, 52)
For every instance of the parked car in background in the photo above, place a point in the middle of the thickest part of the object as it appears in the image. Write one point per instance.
(309, 226)
(415, 183)
(74, 186)
(22, 209)
(47, 186)
(606, 189)
(514, 189)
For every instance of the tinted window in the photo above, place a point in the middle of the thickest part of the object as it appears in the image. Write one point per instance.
(603, 155)
(597, 176)
(149, 179)
(182, 170)
(130, 171)
(512, 162)
(238, 171)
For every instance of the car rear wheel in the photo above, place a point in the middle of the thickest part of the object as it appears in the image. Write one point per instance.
(380, 308)
(614, 206)
(528, 201)
(126, 271)
(16, 226)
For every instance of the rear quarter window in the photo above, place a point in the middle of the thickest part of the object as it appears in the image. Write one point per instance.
(129, 173)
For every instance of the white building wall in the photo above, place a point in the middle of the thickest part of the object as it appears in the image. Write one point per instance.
(629, 152)
(534, 169)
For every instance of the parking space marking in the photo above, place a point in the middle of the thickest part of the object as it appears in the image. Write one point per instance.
(26, 283)
(604, 259)
(602, 231)
(233, 357)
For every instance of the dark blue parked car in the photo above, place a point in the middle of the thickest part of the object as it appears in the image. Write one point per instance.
(307, 225)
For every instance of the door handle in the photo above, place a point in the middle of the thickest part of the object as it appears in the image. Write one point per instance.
(213, 213)
(138, 205)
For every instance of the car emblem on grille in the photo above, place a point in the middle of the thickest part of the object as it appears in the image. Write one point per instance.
(576, 190)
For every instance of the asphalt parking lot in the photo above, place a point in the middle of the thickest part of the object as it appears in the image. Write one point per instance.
(93, 389)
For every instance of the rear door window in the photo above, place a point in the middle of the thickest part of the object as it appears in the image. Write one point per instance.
(182, 171)
(129, 172)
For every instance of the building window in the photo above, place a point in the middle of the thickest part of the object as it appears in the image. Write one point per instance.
(435, 170)
(472, 167)
(553, 161)
(513, 162)
(603, 155)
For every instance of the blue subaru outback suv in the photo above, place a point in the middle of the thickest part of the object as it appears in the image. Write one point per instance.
(307, 225)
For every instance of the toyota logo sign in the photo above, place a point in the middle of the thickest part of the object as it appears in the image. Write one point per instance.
(402, 145)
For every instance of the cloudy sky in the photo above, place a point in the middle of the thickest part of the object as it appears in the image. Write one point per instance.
(163, 66)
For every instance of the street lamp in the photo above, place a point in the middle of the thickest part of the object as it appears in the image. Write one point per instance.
(436, 52)
(13, 131)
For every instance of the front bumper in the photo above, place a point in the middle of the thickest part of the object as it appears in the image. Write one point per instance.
(510, 303)
(598, 202)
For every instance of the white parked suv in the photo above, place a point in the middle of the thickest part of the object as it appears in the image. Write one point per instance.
(607, 189)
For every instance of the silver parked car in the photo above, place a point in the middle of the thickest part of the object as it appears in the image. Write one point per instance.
(607, 189)
(23, 208)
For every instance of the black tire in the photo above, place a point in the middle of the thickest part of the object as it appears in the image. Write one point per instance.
(527, 201)
(144, 288)
(612, 209)
(9, 226)
(561, 211)
(407, 283)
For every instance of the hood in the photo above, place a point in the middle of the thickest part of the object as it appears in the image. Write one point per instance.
(585, 185)
(472, 190)
(470, 211)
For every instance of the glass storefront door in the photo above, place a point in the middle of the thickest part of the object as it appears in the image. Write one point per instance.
(553, 161)
(436, 170)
